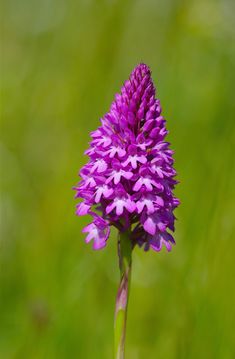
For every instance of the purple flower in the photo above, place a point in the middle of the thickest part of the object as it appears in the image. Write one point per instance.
(129, 178)
(120, 202)
(98, 231)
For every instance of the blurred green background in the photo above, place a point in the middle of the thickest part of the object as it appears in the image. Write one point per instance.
(62, 63)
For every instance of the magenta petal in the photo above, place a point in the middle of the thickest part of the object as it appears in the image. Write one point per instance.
(98, 195)
(150, 226)
(107, 192)
(128, 175)
(82, 209)
(156, 245)
(87, 228)
(150, 207)
(139, 206)
(119, 207)
(89, 237)
(159, 201)
(99, 244)
(117, 177)
(138, 185)
(168, 246)
(142, 159)
(102, 166)
(130, 206)
(110, 207)
(121, 152)
(98, 231)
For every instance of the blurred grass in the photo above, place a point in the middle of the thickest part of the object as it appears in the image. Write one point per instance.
(62, 63)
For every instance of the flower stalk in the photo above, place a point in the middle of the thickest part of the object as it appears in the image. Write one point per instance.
(125, 262)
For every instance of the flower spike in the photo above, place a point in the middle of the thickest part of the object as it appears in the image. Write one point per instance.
(129, 179)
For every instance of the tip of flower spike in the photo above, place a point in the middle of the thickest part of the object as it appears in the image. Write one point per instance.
(142, 70)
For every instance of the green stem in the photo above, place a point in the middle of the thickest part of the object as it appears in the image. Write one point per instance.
(124, 252)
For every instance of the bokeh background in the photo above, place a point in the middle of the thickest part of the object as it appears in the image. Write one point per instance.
(62, 62)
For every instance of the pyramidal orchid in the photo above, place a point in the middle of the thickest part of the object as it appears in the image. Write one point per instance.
(128, 182)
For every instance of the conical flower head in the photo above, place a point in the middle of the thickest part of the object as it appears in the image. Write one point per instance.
(129, 179)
